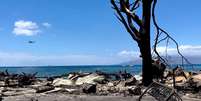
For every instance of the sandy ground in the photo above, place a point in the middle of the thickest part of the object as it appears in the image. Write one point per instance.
(63, 97)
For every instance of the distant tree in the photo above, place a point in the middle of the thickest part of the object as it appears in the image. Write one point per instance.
(139, 29)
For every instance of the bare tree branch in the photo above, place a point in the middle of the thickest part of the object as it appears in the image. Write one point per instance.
(158, 29)
(135, 5)
(122, 19)
(125, 8)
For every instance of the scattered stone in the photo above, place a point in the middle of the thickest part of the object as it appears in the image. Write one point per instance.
(89, 88)
(98, 83)
(138, 77)
(130, 82)
(136, 90)
(2, 84)
(110, 84)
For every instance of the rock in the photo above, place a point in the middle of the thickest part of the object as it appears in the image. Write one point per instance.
(166, 73)
(197, 77)
(178, 71)
(73, 76)
(121, 87)
(121, 84)
(110, 84)
(90, 79)
(138, 77)
(135, 90)
(70, 75)
(62, 82)
(12, 83)
(113, 89)
(192, 85)
(2, 84)
(89, 88)
(188, 74)
(102, 89)
(180, 79)
(130, 82)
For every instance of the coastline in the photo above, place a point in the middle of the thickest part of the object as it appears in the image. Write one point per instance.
(87, 86)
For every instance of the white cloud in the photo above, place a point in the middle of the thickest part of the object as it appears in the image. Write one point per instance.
(27, 59)
(126, 53)
(47, 25)
(27, 28)
(22, 59)
(187, 50)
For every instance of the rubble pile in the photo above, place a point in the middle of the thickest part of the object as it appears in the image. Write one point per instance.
(97, 83)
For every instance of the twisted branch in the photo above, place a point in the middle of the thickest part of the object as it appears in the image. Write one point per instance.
(158, 29)
(123, 8)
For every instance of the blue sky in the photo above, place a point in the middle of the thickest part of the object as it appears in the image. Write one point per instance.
(70, 32)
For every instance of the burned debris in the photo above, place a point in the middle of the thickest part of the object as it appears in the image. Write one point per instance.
(97, 83)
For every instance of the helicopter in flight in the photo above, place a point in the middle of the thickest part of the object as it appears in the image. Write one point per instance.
(31, 42)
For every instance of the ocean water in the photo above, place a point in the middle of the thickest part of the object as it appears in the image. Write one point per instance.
(59, 70)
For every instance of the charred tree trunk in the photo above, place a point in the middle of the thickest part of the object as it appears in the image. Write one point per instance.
(139, 29)
(144, 44)
(146, 63)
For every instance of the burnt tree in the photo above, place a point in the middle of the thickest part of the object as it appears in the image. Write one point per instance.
(138, 28)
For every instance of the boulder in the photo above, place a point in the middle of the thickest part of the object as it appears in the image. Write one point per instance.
(62, 82)
(110, 84)
(138, 77)
(121, 87)
(130, 82)
(102, 89)
(179, 71)
(196, 79)
(90, 79)
(89, 88)
(180, 79)
(136, 90)
(188, 74)
(2, 84)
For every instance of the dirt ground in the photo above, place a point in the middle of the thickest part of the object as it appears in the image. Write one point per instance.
(63, 97)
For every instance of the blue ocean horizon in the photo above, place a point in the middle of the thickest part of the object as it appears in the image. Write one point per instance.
(59, 70)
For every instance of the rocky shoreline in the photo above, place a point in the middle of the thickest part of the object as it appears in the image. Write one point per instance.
(92, 84)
